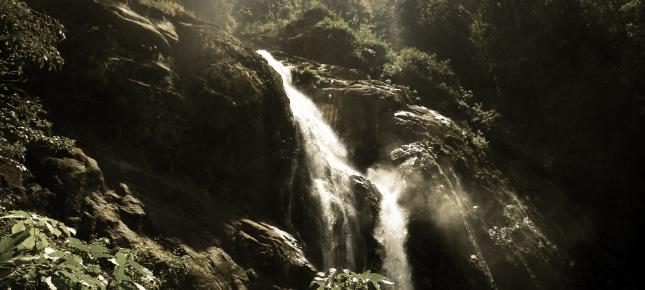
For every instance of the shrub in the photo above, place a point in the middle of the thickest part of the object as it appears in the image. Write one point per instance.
(424, 72)
(28, 39)
(438, 86)
(40, 252)
(22, 123)
(326, 38)
(316, 14)
(349, 280)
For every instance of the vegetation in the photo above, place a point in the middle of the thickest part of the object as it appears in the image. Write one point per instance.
(432, 77)
(348, 280)
(28, 41)
(39, 252)
(322, 35)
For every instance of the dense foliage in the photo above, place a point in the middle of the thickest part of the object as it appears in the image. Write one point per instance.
(28, 41)
(348, 280)
(39, 252)
(27, 38)
(323, 36)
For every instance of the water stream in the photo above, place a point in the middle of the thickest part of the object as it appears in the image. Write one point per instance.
(392, 227)
(331, 176)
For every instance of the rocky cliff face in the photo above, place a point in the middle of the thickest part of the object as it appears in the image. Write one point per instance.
(192, 146)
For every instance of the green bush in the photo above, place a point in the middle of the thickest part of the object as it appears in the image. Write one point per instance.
(316, 14)
(326, 38)
(22, 123)
(27, 38)
(438, 86)
(424, 72)
(28, 41)
(42, 253)
(348, 280)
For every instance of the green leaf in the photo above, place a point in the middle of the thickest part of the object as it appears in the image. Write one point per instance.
(18, 227)
(13, 241)
(43, 243)
(97, 250)
(4, 257)
(121, 258)
(54, 231)
(65, 230)
(28, 244)
(78, 244)
(6, 244)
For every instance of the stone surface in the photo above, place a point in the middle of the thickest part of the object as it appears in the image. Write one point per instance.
(192, 132)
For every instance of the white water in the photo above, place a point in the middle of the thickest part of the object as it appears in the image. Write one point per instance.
(392, 228)
(330, 174)
(327, 161)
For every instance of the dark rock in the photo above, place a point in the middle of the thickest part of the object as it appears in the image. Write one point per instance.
(276, 257)
(195, 124)
(132, 212)
(70, 174)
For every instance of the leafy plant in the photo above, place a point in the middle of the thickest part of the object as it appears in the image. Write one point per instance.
(41, 252)
(28, 39)
(22, 123)
(346, 279)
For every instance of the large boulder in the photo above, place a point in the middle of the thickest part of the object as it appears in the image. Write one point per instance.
(276, 257)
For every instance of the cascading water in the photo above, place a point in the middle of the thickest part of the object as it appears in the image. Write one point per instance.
(330, 174)
(391, 231)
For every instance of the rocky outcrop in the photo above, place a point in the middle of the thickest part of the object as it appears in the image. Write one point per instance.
(271, 253)
(192, 143)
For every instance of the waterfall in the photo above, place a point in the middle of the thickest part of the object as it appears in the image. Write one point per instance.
(330, 174)
(392, 228)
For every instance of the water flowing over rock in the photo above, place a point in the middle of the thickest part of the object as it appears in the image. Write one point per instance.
(467, 227)
(330, 175)
(392, 228)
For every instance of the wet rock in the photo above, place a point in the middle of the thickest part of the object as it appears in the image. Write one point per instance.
(275, 256)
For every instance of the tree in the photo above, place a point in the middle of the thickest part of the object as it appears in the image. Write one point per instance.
(28, 41)
(27, 38)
